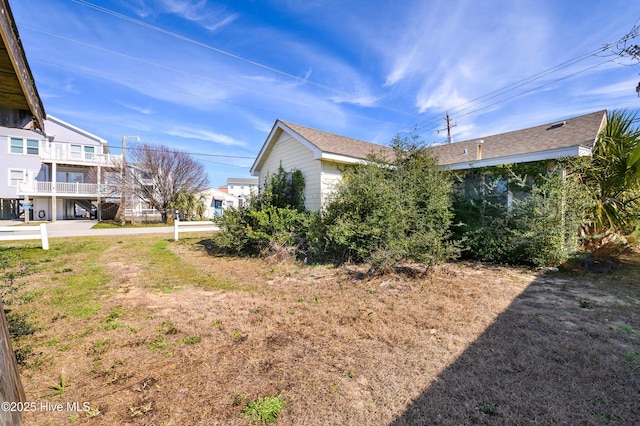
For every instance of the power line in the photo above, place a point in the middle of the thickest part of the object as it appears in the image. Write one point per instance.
(509, 88)
(223, 52)
(496, 93)
(189, 74)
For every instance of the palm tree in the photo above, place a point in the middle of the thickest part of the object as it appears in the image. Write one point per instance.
(612, 178)
(185, 203)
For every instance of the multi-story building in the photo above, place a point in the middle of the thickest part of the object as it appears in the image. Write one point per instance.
(61, 173)
(242, 187)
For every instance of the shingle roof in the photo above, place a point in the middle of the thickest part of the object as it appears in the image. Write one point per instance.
(577, 131)
(572, 132)
(336, 144)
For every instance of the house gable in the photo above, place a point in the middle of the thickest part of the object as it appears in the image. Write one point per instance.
(61, 131)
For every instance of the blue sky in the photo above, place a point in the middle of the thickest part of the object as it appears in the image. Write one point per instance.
(211, 77)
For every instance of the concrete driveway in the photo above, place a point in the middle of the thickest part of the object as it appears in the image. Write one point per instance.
(82, 227)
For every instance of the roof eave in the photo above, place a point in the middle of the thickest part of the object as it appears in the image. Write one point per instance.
(18, 59)
(571, 151)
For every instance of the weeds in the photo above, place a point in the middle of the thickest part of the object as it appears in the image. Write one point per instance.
(633, 356)
(22, 354)
(109, 322)
(264, 410)
(18, 325)
(59, 387)
(158, 344)
(489, 410)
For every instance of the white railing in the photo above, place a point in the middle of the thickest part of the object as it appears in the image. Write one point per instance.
(43, 188)
(35, 232)
(197, 226)
(83, 157)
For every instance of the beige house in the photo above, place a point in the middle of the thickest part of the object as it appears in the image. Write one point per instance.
(321, 156)
(572, 137)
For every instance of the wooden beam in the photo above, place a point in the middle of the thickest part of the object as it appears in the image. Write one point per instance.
(19, 64)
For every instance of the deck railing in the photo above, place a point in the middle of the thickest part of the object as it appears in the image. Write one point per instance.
(67, 188)
(88, 158)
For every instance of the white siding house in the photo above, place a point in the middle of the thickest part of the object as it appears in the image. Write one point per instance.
(318, 155)
(60, 173)
(243, 188)
(216, 201)
(321, 156)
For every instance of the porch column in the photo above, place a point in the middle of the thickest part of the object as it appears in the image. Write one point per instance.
(99, 180)
(54, 203)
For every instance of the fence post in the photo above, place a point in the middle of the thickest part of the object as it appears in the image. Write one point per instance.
(44, 236)
(176, 221)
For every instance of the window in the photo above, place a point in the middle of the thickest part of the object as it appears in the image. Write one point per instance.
(32, 147)
(88, 152)
(24, 146)
(76, 177)
(15, 176)
(75, 152)
(16, 146)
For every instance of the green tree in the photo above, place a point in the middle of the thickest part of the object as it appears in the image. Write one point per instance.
(388, 211)
(526, 213)
(163, 175)
(611, 178)
(185, 203)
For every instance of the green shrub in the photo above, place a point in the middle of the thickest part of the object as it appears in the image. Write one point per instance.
(388, 212)
(273, 220)
(518, 214)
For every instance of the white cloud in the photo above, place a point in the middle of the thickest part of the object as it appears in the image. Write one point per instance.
(200, 12)
(204, 135)
(140, 109)
(222, 23)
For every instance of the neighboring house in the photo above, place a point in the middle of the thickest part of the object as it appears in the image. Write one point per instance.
(49, 168)
(322, 156)
(242, 188)
(318, 155)
(216, 201)
(60, 174)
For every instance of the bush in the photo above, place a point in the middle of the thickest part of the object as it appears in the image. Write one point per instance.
(388, 214)
(538, 227)
(274, 221)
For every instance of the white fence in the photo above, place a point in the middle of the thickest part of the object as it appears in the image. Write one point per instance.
(35, 232)
(196, 226)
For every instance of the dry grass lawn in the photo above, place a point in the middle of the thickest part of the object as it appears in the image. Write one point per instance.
(152, 332)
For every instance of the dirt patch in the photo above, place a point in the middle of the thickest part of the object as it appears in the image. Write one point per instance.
(466, 343)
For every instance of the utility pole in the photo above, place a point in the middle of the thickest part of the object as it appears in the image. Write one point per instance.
(123, 177)
(448, 129)
(123, 182)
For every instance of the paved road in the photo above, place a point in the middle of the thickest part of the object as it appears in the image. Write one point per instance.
(79, 228)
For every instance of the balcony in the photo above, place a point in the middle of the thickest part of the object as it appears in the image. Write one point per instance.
(85, 190)
(80, 158)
